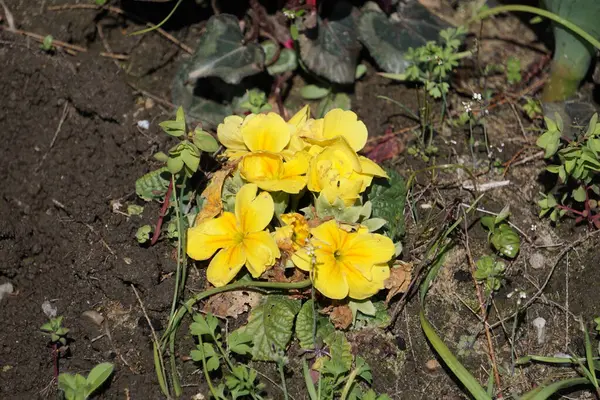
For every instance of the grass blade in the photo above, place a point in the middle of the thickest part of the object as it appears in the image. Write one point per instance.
(543, 392)
(310, 386)
(589, 355)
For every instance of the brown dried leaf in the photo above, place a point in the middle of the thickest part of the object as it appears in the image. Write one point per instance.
(212, 194)
(232, 304)
(399, 280)
(341, 317)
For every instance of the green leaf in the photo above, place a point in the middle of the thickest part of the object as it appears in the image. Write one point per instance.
(365, 306)
(143, 233)
(545, 392)
(310, 386)
(489, 221)
(313, 92)
(361, 70)
(338, 100)
(287, 60)
(175, 128)
(504, 214)
(153, 185)
(204, 325)
(97, 376)
(304, 326)
(205, 141)
(237, 342)
(388, 198)
(270, 324)
(374, 224)
(506, 240)
(340, 349)
(388, 39)
(175, 164)
(134, 209)
(221, 52)
(330, 49)
(579, 194)
(549, 140)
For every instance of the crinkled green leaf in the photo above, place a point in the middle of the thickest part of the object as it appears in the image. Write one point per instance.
(153, 185)
(388, 39)
(142, 234)
(388, 198)
(304, 326)
(221, 52)
(506, 240)
(331, 48)
(339, 349)
(270, 324)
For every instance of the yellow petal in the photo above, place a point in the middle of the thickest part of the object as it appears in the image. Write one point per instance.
(347, 190)
(329, 279)
(225, 265)
(229, 133)
(369, 167)
(360, 287)
(328, 233)
(206, 238)
(300, 117)
(343, 158)
(296, 165)
(261, 252)
(265, 132)
(338, 122)
(291, 185)
(302, 260)
(261, 166)
(253, 212)
(367, 249)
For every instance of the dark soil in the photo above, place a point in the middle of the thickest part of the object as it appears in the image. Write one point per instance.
(69, 158)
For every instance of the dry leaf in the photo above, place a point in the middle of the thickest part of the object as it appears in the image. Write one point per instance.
(212, 194)
(399, 279)
(341, 317)
(232, 304)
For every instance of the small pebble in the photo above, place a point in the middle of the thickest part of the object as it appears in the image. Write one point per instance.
(49, 309)
(6, 288)
(143, 124)
(537, 261)
(149, 103)
(432, 365)
(93, 316)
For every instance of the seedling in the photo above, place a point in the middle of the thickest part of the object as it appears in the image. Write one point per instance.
(513, 70)
(502, 236)
(490, 271)
(58, 338)
(78, 387)
(47, 44)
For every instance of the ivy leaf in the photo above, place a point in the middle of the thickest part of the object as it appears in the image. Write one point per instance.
(388, 39)
(153, 185)
(331, 48)
(221, 52)
(270, 326)
(287, 60)
(388, 198)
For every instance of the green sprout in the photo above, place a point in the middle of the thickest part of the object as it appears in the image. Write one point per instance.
(78, 387)
(54, 328)
(47, 43)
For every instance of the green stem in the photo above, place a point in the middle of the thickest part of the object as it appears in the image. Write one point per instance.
(282, 374)
(541, 12)
(223, 353)
(349, 384)
(161, 23)
(205, 370)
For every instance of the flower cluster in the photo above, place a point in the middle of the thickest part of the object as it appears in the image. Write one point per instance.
(294, 157)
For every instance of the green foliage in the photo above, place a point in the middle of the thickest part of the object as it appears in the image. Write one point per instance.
(77, 387)
(153, 185)
(374, 315)
(54, 328)
(502, 236)
(134, 209)
(432, 63)
(388, 199)
(577, 163)
(256, 102)
(47, 43)
(205, 141)
(270, 325)
(490, 271)
(242, 382)
(286, 62)
(313, 92)
(100, 2)
(142, 235)
(513, 70)
(532, 108)
(304, 326)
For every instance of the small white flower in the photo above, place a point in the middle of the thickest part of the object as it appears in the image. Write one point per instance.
(533, 227)
(477, 96)
(289, 14)
(467, 105)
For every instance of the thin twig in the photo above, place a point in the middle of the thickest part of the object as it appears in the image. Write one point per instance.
(63, 117)
(518, 119)
(118, 11)
(115, 56)
(508, 222)
(10, 20)
(105, 43)
(56, 43)
(152, 96)
(154, 336)
(482, 308)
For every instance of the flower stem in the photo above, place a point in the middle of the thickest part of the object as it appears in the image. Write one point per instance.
(282, 374)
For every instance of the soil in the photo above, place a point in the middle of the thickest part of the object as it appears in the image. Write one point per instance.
(71, 153)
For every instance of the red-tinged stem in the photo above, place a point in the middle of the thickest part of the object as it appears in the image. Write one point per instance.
(163, 212)
(569, 209)
(55, 359)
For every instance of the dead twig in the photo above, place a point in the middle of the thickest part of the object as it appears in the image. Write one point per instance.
(69, 48)
(65, 114)
(115, 56)
(118, 11)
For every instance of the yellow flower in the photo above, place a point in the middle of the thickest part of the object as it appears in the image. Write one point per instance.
(228, 133)
(346, 263)
(275, 172)
(338, 172)
(238, 239)
(310, 129)
(294, 234)
(265, 132)
(338, 122)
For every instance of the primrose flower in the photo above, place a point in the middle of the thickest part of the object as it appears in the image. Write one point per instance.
(294, 234)
(276, 172)
(338, 172)
(345, 263)
(237, 239)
